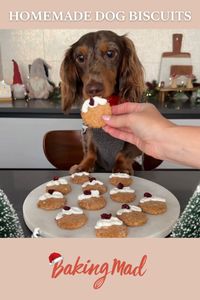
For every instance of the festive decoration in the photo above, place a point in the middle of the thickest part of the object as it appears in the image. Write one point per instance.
(55, 258)
(18, 88)
(198, 96)
(173, 81)
(189, 84)
(16, 74)
(39, 85)
(152, 89)
(188, 225)
(5, 91)
(55, 96)
(9, 222)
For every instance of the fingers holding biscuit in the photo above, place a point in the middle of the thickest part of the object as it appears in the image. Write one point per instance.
(121, 134)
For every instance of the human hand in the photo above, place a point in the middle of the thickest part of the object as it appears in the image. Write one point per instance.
(140, 124)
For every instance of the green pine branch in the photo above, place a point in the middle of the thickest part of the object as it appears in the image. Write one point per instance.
(188, 225)
(9, 221)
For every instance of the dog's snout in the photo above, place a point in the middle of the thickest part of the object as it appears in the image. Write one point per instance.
(94, 88)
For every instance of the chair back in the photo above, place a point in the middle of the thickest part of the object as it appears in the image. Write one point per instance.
(63, 148)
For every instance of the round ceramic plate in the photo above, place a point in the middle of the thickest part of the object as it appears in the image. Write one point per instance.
(156, 226)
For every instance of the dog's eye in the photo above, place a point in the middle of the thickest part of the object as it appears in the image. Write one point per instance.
(110, 53)
(80, 58)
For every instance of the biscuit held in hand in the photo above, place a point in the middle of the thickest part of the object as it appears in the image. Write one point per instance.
(92, 111)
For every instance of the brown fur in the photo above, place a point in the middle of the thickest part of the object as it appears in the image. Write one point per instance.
(101, 64)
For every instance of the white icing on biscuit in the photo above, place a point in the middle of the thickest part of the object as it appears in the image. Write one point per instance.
(56, 195)
(108, 222)
(57, 182)
(97, 101)
(147, 199)
(94, 194)
(71, 211)
(126, 189)
(125, 210)
(93, 182)
(79, 174)
(120, 175)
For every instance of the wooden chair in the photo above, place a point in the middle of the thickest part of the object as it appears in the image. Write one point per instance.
(63, 148)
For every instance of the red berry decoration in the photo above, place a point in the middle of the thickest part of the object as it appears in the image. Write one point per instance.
(51, 191)
(66, 207)
(91, 103)
(120, 186)
(125, 206)
(87, 192)
(55, 178)
(147, 194)
(106, 216)
(92, 178)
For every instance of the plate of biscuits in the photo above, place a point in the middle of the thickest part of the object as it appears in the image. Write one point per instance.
(101, 205)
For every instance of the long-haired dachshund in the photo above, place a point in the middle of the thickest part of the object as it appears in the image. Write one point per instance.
(102, 64)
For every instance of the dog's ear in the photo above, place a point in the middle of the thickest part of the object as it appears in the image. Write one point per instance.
(131, 77)
(70, 83)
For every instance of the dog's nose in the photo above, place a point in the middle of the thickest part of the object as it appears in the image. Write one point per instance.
(94, 89)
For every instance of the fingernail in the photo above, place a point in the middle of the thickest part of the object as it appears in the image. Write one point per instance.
(106, 117)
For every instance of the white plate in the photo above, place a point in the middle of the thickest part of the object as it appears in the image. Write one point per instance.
(156, 226)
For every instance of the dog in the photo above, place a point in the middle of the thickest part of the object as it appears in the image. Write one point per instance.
(102, 64)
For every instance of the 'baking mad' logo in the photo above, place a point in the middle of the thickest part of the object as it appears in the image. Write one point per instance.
(102, 271)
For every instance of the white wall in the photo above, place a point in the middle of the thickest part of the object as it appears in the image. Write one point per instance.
(26, 45)
(22, 140)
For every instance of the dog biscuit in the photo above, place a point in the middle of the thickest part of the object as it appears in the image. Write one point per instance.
(110, 227)
(92, 111)
(94, 184)
(51, 200)
(91, 200)
(122, 194)
(123, 178)
(59, 184)
(80, 177)
(71, 218)
(153, 205)
(131, 215)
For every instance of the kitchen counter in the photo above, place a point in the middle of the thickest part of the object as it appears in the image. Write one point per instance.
(24, 124)
(52, 109)
(17, 184)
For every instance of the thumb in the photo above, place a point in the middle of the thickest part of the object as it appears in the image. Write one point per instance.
(117, 121)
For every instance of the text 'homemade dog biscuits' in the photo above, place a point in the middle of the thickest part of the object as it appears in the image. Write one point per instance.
(92, 111)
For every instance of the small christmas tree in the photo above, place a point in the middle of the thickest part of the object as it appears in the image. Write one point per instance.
(188, 225)
(9, 222)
